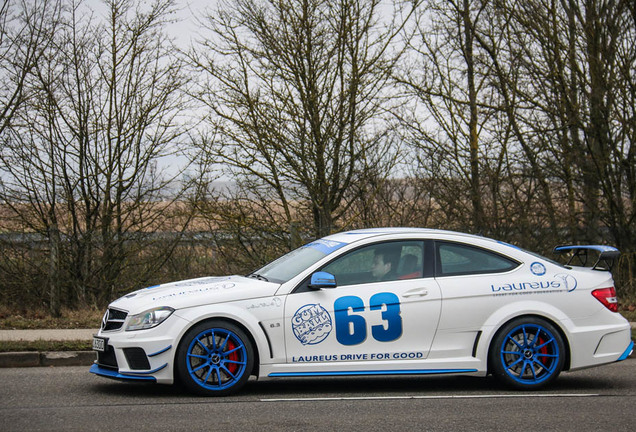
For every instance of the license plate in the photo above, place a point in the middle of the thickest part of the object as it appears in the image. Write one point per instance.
(99, 344)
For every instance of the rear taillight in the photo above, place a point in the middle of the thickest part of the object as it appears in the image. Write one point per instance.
(607, 296)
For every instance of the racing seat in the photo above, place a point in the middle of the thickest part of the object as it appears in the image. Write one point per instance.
(410, 268)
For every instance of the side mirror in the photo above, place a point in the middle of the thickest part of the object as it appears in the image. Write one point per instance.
(322, 280)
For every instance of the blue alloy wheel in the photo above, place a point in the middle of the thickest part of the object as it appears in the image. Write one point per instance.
(214, 358)
(527, 353)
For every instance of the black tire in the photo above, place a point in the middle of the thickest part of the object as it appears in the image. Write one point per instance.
(527, 353)
(214, 358)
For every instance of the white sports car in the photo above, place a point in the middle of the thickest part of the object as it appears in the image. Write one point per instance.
(391, 301)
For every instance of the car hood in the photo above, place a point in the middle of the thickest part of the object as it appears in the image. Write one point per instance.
(195, 292)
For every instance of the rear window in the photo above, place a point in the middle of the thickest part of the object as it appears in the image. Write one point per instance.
(459, 259)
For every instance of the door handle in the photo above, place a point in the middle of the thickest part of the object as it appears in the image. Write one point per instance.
(418, 292)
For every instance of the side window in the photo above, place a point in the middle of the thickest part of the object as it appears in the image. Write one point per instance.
(387, 261)
(459, 259)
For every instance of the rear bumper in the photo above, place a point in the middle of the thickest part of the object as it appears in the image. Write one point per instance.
(595, 346)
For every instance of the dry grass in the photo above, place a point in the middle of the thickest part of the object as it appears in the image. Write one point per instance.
(629, 314)
(40, 319)
(42, 346)
(627, 306)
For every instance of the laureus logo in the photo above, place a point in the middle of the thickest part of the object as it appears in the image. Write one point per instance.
(568, 281)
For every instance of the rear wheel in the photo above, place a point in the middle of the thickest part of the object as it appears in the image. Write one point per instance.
(214, 358)
(527, 353)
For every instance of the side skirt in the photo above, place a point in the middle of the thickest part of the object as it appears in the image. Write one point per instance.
(372, 372)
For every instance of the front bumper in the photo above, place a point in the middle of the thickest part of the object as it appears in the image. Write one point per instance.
(144, 355)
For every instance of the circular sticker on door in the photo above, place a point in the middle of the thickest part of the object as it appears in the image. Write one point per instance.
(311, 324)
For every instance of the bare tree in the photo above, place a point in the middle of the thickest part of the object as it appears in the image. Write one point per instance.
(549, 86)
(448, 80)
(83, 165)
(579, 57)
(296, 91)
(26, 31)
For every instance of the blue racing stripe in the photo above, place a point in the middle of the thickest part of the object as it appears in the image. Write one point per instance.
(109, 373)
(627, 352)
(160, 352)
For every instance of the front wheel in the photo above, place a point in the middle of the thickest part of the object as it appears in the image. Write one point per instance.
(215, 358)
(527, 353)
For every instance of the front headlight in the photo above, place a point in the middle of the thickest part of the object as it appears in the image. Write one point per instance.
(149, 319)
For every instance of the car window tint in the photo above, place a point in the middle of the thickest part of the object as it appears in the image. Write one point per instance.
(386, 261)
(458, 259)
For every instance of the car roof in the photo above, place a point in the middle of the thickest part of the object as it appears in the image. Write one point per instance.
(361, 234)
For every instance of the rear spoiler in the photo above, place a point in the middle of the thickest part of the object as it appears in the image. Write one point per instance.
(605, 260)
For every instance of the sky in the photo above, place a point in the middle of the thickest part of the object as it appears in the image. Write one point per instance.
(186, 28)
(185, 31)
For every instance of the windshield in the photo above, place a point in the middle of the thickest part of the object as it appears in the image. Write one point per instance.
(290, 265)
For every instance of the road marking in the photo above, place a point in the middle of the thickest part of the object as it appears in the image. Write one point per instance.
(481, 396)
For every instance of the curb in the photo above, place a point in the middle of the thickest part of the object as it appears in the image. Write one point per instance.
(39, 359)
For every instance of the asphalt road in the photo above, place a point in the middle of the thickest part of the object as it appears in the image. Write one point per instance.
(71, 399)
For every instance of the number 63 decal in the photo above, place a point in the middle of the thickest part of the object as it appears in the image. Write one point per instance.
(351, 329)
